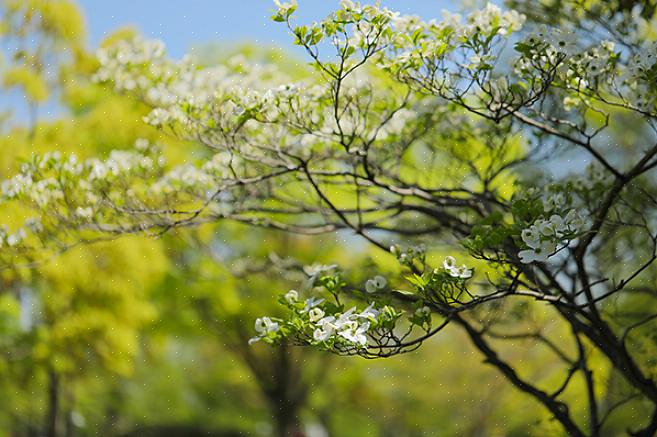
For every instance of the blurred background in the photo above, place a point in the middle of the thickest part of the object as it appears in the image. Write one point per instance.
(141, 337)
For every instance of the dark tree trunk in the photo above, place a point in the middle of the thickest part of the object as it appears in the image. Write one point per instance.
(285, 398)
(287, 424)
(53, 404)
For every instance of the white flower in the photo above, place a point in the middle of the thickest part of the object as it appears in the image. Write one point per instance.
(576, 221)
(292, 296)
(345, 317)
(609, 46)
(311, 302)
(284, 7)
(534, 39)
(369, 313)
(528, 256)
(16, 238)
(540, 254)
(491, 17)
(551, 228)
(449, 263)
(531, 237)
(355, 333)
(557, 222)
(375, 284)
(596, 66)
(380, 281)
(16, 186)
(449, 19)
(327, 322)
(316, 270)
(320, 334)
(325, 329)
(544, 235)
(463, 272)
(555, 201)
(141, 144)
(347, 4)
(315, 314)
(564, 42)
(264, 325)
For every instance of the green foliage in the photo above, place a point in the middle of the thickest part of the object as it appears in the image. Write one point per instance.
(416, 135)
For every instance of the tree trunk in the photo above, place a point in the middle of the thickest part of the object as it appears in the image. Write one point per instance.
(286, 423)
(285, 401)
(53, 404)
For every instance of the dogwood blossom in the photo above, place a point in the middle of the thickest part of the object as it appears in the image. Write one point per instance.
(264, 325)
(311, 302)
(325, 323)
(16, 238)
(540, 253)
(370, 313)
(555, 201)
(492, 18)
(355, 333)
(314, 271)
(375, 284)
(323, 334)
(463, 272)
(544, 235)
(292, 296)
(315, 314)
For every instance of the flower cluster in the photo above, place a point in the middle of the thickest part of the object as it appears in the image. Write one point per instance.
(463, 272)
(492, 20)
(318, 322)
(558, 50)
(11, 239)
(324, 320)
(67, 192)
(35, 180)
(639, 77)
(328, 323)
(251, 98)
(350, 325)
(181, 92)
(588, 73)
(643, 61)
(405, 44)
(64, 188)
(182, 178)
(544, 235)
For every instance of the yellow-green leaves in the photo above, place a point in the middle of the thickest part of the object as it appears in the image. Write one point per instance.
(32, 84)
